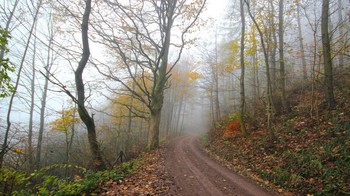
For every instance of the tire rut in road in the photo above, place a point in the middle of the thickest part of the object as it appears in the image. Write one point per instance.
(187, 178)
(207, 167)
(196, 174)
(202, 178)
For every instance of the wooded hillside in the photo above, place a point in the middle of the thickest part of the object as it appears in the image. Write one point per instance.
(88, 84)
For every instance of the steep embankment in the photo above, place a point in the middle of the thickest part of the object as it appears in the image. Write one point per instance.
(312, 150)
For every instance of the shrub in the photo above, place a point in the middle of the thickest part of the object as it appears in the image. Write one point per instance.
(41, 182)
(232, 127)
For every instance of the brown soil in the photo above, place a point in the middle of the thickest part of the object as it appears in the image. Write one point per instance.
(196, 174)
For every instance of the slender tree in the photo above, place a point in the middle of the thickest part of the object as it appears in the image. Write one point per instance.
(268, 77)
(242, 90)
(97, 161)
(301, 42)
(285, 105)
(32, 105)
(215, 75)
(4, 147)
(341, 32)
(48, 66)
(327, 59)
(88, 120)
(271, 45)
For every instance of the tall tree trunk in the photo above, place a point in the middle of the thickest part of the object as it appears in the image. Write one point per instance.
(272, 46)
(256, 86)
(183, 119)
(31, 109)
(327, 55)
(160, 80)
(341, 33)
(69, 133)
(216, 83)
(153, 131)
(157, 104)
(129, 129)
(49, 62)
(156, 108)
(72, 134)
(301, 43)
(174, 115)
(314, 107)
(130, 118)
(285, 105)
(170, 112)
(242, 90)
(216, 98)
(212, 113)
(88, 120)
(178, 116)
(268, 77)
(154, 123)
(4, 147)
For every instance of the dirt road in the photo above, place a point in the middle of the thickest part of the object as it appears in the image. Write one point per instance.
(197, 174)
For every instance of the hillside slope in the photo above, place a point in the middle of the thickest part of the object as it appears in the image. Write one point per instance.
(311, 154)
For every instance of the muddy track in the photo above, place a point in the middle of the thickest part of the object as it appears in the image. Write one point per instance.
(197, 174)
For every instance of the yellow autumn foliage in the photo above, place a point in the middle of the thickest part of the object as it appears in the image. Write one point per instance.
(120, 105)
(18, 150)
(67, 118)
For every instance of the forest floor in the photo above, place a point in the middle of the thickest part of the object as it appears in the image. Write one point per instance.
(310, 153)
(150, 178)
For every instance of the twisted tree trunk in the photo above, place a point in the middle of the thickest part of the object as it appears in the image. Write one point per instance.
(88, 120)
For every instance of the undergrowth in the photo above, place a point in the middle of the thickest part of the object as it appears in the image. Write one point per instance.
(43, 182)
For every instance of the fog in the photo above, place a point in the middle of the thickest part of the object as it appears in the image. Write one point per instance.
(202, 88)
(197, 116)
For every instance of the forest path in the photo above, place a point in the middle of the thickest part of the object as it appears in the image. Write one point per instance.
(197, 174)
